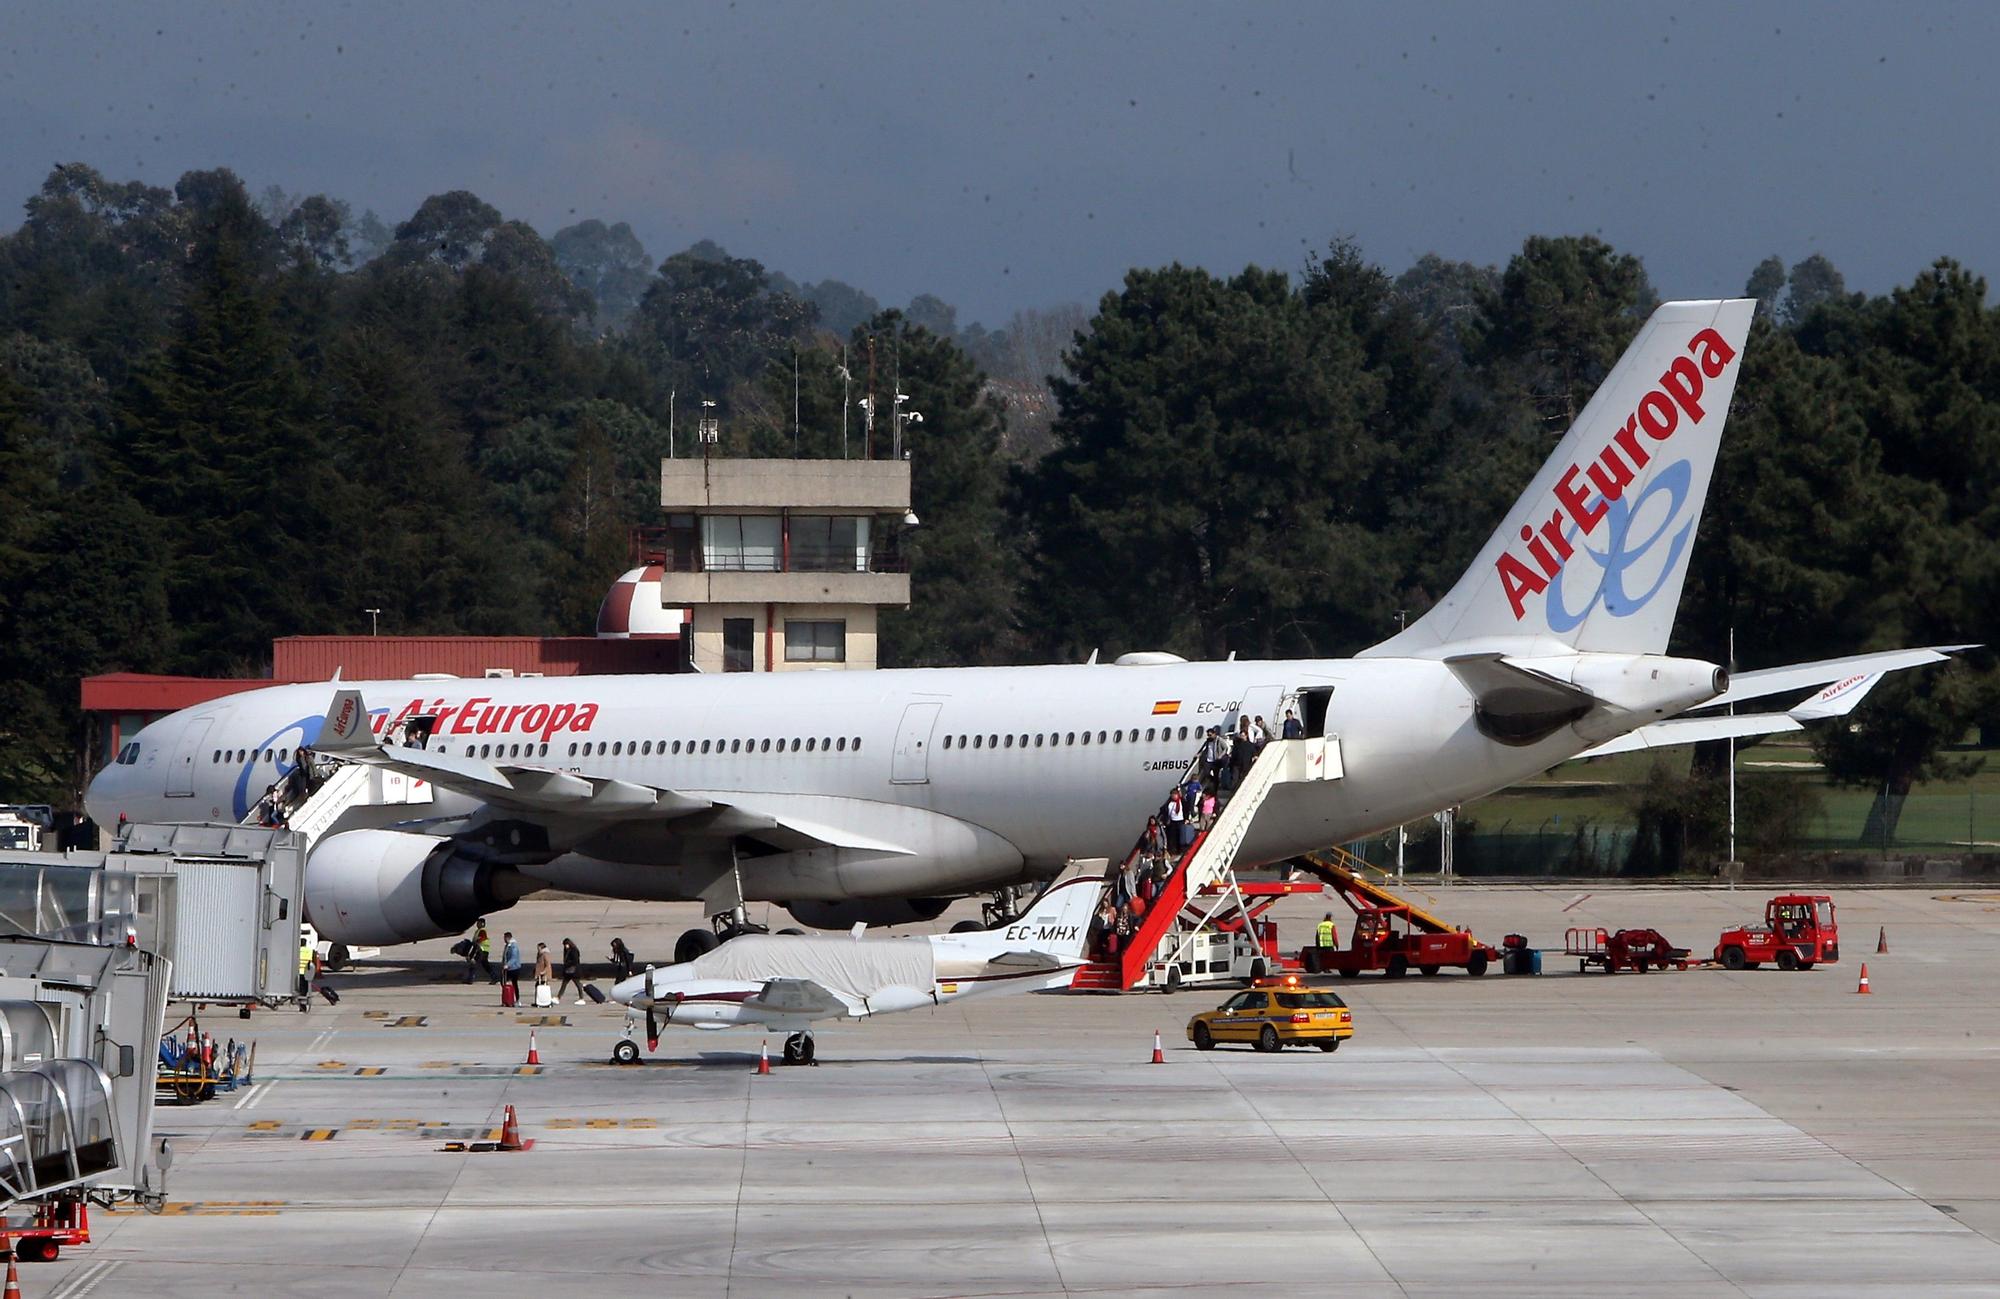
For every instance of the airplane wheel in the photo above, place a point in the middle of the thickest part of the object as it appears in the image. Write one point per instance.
(1267, 1041)
(967, 927)
(1203, 1039)
(337, 957)
(799, 1049)
(626, 1052)
(693, 943)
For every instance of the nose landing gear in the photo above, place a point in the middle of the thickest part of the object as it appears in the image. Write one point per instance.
(799, 1049)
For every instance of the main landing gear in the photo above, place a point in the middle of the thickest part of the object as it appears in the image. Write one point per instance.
(799, 1049)
(723, 927)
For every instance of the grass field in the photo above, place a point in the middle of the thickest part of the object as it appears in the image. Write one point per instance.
(1540, 817)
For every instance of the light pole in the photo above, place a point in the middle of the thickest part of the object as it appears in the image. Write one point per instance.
(373, 615)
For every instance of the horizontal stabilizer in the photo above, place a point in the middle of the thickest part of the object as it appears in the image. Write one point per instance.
(1694, 730)
(1800, 676)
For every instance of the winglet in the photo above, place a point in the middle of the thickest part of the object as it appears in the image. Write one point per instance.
(1838, 699)
(346, 727)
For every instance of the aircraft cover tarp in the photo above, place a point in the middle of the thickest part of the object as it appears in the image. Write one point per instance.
(853, 968)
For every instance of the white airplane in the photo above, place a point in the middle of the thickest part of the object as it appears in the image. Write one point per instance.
(876, 796)
(787, 983)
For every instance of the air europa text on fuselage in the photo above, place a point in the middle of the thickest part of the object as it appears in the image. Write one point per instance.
(481, 716)
(1658, 414)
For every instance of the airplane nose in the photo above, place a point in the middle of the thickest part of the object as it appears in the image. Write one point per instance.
(624, 990)
(100, 797)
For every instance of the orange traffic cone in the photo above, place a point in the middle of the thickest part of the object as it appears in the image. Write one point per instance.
(13, 1290)
(510, 1133)
(1882, 941)
(1864, 978)
(1159, 1056)
(764, 1057)
(534, 1056)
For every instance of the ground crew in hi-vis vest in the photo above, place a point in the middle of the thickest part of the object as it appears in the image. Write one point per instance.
(1326, 934)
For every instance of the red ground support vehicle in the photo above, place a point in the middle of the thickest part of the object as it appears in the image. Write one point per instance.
(1389, 934)
(53, 1224)
(1637, 950)
(1798, 933)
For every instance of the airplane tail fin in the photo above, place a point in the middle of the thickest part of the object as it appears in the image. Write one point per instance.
(1054, 929)
(1593, 554)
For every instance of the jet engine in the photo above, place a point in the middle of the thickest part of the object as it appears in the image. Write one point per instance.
(867, 911)
(379, 887)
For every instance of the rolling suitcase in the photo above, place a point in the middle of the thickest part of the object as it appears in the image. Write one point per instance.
(545, 996)
(591, 991)
(332, 997)
(508, 997)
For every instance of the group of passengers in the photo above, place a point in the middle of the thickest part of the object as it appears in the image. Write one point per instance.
(1191, 808)
(290, 791)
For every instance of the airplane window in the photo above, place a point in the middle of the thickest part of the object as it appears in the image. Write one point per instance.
(1010, 741)
(646, 748)
(1100, 737)
(1149, 732)
(857, 744)
(843, 744)
(1038, 739)
(572, 749)
(1118, 737)
(217, 757)
(810, 744)
(975, 741)
(947, 741)
(516, 751)
(704, 746)
(618, 749)
(1086, 737)
(483, 751)
(677, 746)
(992, 741)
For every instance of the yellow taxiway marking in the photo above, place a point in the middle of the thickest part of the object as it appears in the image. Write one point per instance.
(319, 1134)
(599, 1124)
(543, 1021)
(210, 1208)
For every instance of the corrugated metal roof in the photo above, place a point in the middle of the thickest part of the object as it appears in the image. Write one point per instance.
(140, 692)
(366, 658)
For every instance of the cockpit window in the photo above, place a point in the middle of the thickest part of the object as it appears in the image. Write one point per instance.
(129, 754)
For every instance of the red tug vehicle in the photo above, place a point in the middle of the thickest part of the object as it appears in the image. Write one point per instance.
(1390, 933)
(1798, 933)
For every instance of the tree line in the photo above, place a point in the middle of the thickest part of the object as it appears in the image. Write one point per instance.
(225, 418)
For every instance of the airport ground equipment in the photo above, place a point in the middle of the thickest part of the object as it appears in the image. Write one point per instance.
(1797, 933)
(1390, 933)
(1638, 950)
(1274, 1014)
(1201, 925)
(194, 1067)
(37, 1233)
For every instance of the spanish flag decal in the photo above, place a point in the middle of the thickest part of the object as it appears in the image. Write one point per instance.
(1166, 707)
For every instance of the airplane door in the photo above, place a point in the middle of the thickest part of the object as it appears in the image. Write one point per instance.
(1263, 701)
(180, 777)
(910, 762)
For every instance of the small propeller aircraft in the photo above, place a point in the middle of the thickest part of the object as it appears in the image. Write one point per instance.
(788, 982)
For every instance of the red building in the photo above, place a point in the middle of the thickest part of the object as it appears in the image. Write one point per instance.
(117, 704)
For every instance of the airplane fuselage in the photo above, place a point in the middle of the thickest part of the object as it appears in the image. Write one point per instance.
(983, 776)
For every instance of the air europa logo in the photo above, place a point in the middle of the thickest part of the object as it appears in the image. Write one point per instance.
(481, 716)
(1618, 462)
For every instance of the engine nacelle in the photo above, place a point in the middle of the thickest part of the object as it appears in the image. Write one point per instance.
(378, 887)
(867, 911)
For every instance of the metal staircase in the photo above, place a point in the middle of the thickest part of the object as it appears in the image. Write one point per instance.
(1202, 892)
(349, 784)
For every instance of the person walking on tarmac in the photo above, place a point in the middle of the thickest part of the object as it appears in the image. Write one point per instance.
(1325, 935)
(622, 959)
(306, 959)
(572, 971)
(510, 962)
(542, 971)
(482, 948)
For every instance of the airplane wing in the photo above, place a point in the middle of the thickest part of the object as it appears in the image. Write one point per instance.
(1837, 700)
(1797, 676)
(545, 791)
(800, 997)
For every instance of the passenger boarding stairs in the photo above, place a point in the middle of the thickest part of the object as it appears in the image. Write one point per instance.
(1202, 892)
(350, 784)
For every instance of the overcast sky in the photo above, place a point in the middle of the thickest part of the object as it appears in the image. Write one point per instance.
(1004, 156)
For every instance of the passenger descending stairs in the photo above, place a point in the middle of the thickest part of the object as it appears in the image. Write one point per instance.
(350, 784)
(1203, 882)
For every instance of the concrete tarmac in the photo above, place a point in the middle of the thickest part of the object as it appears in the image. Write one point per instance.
(1697, 1133)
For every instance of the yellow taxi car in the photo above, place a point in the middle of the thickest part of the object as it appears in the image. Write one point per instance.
(1274, 1014)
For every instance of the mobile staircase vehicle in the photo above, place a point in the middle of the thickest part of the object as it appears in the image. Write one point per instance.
(1201, 926)
(1390, 933)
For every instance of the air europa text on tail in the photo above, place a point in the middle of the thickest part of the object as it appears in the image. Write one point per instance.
(1658, 414)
